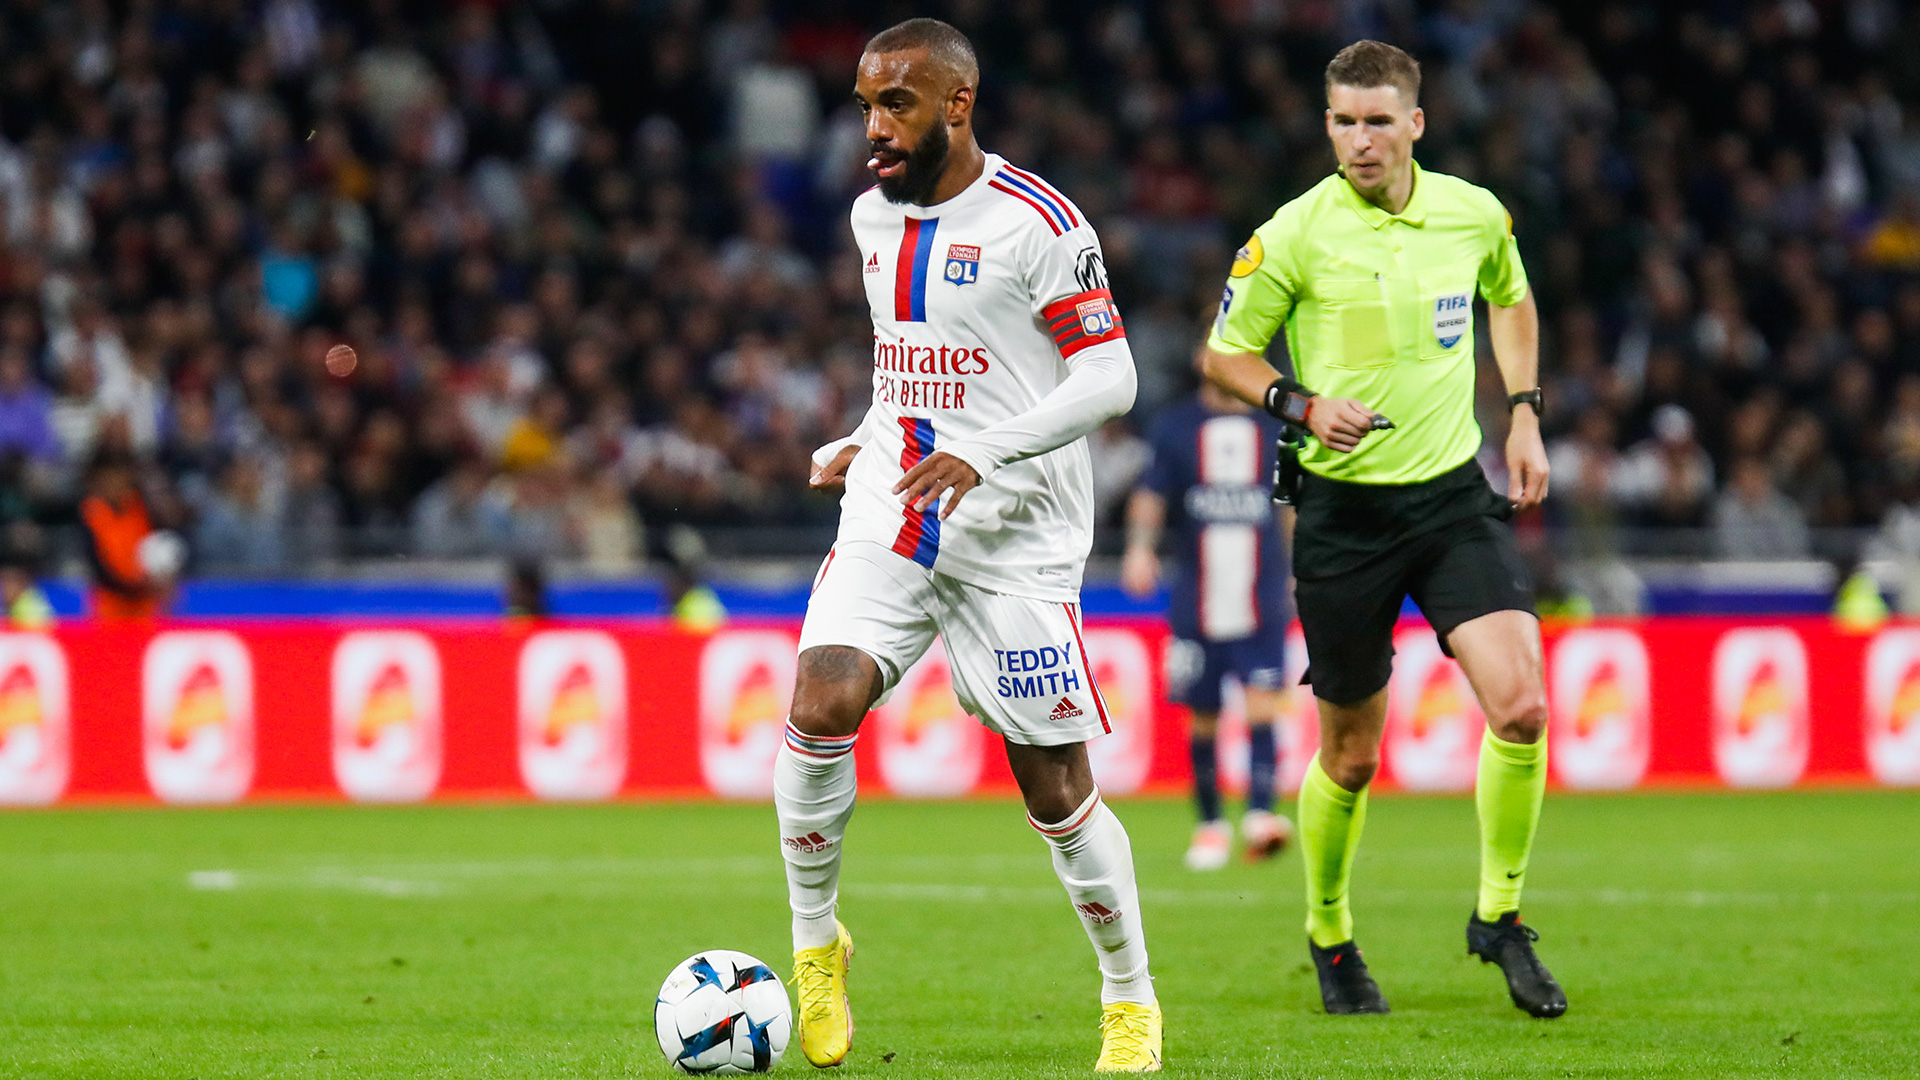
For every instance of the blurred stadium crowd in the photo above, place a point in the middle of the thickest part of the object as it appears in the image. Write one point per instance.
(594, 259)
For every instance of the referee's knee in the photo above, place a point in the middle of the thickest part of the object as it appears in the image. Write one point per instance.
(1353, 768)
(1521, 718)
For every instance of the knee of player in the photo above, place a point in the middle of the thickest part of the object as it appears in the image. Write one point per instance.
(1353, 770)
(834, 709)
(1520, 717)
(836, 686)
(1052, 804)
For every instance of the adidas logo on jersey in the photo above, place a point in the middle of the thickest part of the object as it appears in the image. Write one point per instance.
(813, 841)
(873, 263)
(1099, 913)
(1066, 710)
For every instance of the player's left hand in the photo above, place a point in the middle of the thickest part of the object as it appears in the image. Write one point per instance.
(1526, 461)
(941, 473)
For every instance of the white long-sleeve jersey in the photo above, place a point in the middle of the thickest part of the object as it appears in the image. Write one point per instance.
(997, 341)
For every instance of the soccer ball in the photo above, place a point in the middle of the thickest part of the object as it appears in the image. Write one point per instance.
(162, 554)
(723, 1012)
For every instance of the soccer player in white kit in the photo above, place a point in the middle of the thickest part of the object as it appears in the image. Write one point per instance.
(968, 513)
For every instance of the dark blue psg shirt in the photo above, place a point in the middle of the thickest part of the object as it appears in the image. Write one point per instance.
(1215, 471)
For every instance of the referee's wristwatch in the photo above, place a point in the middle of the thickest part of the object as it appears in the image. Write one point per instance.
(1289, 401)
(1531, 397)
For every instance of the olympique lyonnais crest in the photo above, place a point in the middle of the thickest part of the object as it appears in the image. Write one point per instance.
(963, 264)
(1096, 316)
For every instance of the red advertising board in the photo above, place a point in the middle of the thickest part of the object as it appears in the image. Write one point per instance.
(201, 713)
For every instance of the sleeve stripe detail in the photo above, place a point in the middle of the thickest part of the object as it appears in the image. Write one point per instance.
(1053, 205)
(1045, 189)
(1042, 211)
(1082, 320)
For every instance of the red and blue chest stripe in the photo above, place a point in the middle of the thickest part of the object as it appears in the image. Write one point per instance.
(910, 272)
(919, 536)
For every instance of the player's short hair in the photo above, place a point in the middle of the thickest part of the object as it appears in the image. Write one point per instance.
(1375, 63)
(946, 45)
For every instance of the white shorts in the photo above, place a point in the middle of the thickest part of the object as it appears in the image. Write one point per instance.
(1017, 663)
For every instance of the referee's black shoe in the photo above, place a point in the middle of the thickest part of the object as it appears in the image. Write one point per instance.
(1345, 987)
(1509, 943)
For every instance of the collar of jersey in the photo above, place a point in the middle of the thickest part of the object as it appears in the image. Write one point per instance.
(1415, 212)
(994, 164)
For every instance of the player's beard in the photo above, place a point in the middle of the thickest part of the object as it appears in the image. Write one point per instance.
(925, 163)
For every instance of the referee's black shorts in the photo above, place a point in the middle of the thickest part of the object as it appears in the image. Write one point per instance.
(1361, 549)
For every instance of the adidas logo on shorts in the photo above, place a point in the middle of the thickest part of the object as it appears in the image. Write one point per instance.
(1065, 710)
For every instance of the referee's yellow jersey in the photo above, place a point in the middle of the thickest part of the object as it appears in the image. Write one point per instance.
(1379, 307)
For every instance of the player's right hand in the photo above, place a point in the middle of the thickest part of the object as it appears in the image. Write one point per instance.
(1139, 571)
(1339, 423)
(833, 475)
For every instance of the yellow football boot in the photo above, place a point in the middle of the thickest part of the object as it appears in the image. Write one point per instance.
(826, 1019)
(1129, 1038)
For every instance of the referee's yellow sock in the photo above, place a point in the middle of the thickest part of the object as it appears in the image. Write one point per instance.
(1511, 785)
(1331, 818)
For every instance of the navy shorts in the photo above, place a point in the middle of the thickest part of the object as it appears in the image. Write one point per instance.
(1196, 669)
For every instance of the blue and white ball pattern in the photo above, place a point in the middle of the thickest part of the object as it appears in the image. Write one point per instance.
(723, 1013)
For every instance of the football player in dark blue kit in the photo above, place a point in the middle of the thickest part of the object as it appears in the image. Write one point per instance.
(1210, 486)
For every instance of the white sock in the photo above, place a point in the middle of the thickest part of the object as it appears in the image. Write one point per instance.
(1094, 859)
(813, 791)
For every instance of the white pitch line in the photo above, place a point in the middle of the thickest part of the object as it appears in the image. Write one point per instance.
(1699, 898)
(383, 886)
(401, 880)
(216, 880)
(321, 878)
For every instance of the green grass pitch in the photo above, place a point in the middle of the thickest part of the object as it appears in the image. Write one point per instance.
(1705, 935)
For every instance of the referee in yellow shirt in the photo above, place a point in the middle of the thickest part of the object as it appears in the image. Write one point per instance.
(1373, 274)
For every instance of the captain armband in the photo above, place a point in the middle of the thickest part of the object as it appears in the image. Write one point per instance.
(1082, 320)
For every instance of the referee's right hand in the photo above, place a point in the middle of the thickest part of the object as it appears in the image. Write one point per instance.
(1339, 423)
